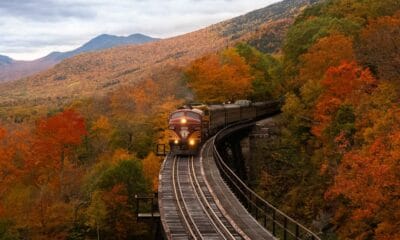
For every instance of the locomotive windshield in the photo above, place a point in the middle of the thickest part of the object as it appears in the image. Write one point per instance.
(187, 113)
(193, 115)
(177, 115)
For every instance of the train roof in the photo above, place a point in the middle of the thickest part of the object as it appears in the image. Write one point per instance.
(215, 106)
(222, 106)
(231, 105)
(186, 112)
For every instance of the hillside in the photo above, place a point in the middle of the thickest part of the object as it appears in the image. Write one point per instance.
(12, 70)
(100, 72)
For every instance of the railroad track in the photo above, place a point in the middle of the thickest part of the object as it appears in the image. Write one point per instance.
(192, 210)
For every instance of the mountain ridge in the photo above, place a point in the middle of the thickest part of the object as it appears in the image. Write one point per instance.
(102, 41)
(14, 69)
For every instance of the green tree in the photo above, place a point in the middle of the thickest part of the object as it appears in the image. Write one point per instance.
(96, 212)
(128, 173)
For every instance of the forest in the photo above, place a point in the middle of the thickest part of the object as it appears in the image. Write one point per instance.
(71, 171)
(334, 163)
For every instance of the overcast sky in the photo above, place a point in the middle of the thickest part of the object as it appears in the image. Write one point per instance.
(30, 29)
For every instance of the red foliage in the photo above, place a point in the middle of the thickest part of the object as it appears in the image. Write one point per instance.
(55, 139)
(344, 84)
(54, 135)
(369, 179)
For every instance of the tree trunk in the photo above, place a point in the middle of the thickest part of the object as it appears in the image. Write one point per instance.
(98, 231)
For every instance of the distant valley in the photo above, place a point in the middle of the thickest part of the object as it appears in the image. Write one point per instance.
(11, 69)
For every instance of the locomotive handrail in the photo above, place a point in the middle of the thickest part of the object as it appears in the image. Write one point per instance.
(257, 206)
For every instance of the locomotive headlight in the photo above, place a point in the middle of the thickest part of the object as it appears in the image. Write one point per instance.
(176, 141)
(183, 120)
(192, 142)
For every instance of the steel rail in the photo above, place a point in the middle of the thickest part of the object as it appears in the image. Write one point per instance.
(216, 221)
(179, 197)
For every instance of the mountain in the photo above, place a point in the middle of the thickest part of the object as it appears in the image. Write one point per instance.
(5, 60)
(11, 70)
(96, 73)
(100, 42)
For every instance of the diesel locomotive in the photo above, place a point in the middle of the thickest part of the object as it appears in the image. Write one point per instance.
(185, 131)
(190, 126)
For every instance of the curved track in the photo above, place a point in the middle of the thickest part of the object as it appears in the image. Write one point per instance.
(189, 209)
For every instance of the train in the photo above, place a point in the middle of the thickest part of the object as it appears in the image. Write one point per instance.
(190, 126)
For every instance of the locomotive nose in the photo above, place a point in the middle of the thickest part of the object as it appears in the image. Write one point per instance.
(184, 133)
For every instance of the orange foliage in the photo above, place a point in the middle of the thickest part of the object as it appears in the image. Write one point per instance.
(63, 129)
(15, 148)
(344, 84)
(327, 52)
(369, 179)
(151, 168)
(54, 141)
(220, 77)
(135, 101)
(101, 124)
(120, 155)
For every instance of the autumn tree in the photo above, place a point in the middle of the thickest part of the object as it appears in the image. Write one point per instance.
(56, 138)
(151, 169)
(100, 134)
(303, 34)
(96, 212)
(327, 52)
(379, 47)
(220, 77)
(134, 109)
(6, 165)
(368, 178)
(120, 218)
(361, 11)
(15, 156)
(344, 84)
(159, 119)
(129, 174)
(266, 71)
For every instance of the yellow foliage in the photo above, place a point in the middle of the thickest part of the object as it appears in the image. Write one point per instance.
(220, 77)
(120, 155)
(102, 123)
(151, 169)
(160, 120)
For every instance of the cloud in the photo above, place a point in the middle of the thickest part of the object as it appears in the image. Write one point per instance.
(45, 10)
(40, 26)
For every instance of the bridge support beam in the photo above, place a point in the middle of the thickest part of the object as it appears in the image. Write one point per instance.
(232, 152)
